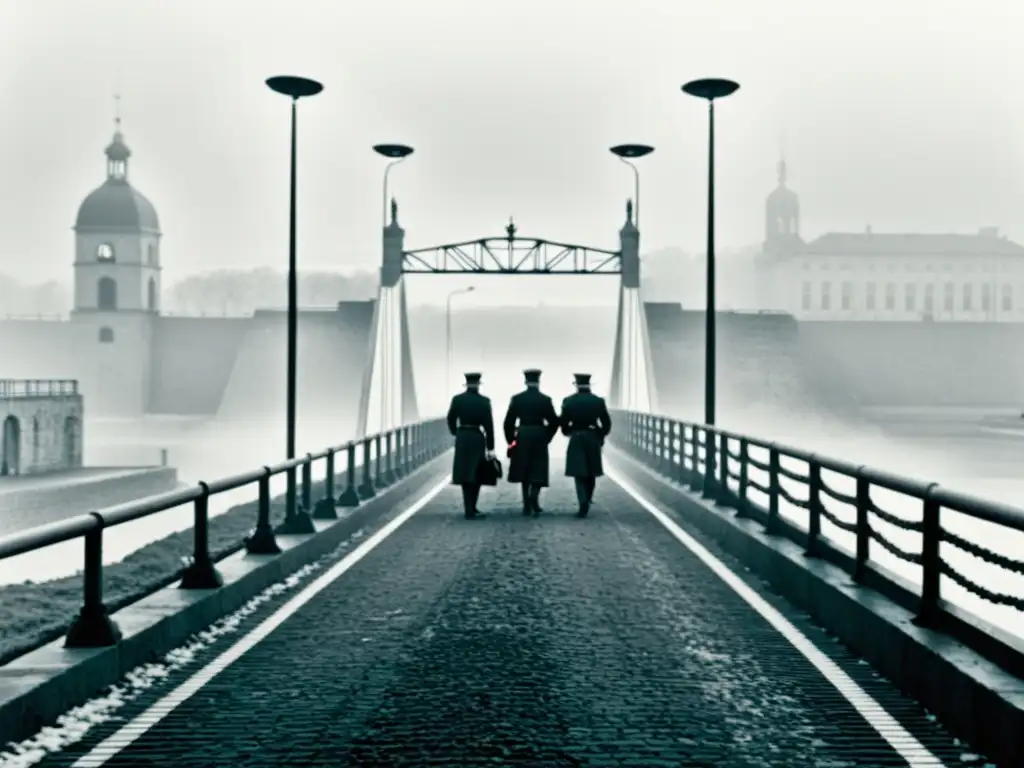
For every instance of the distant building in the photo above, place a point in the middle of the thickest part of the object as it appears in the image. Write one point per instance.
(131, 361)
(886, 277)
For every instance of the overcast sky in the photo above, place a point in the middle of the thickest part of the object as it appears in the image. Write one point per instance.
(903, 114)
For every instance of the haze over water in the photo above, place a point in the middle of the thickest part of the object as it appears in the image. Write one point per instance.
(885, 116)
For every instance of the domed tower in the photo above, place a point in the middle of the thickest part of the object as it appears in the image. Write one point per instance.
(117, 287)
(782, 216)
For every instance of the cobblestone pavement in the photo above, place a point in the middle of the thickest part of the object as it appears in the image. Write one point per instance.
(541, 642)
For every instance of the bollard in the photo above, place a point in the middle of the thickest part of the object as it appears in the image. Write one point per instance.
(262, 540)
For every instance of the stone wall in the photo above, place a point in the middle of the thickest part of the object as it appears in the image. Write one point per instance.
(39, 432)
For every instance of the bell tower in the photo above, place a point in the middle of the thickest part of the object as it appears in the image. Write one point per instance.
(117, 287)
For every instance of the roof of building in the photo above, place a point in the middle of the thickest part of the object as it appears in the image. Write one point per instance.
(116, 205)
(870, 243)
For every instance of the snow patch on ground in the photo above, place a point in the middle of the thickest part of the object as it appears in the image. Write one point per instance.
(74, 724)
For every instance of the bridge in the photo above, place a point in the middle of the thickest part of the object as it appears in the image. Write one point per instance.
(706, 613)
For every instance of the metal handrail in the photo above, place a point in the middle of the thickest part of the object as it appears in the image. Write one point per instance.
(11, 388)
(387, 457)
(718, 463)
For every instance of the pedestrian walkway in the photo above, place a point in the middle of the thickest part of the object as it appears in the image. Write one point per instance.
(552, 641)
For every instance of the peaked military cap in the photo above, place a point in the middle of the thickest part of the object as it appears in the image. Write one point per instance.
(532, 375)
(582, 379)
(473, 378)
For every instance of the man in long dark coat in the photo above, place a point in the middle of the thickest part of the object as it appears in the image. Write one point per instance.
(531, 422)
(586, 422)
(471, 422)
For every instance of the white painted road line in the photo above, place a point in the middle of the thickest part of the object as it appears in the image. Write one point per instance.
(135, 728)
(894, 734)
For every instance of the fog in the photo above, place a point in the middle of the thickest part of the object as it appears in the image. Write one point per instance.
(890, 121)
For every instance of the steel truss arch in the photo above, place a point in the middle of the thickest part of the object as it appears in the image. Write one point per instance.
(513, 256)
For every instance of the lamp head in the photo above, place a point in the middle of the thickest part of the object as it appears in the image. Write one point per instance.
(296, 87)
(393, 151)
(630, 151)
(711, 88)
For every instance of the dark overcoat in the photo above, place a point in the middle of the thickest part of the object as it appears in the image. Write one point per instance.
(586, 422)
(471, 422)
(531, 421)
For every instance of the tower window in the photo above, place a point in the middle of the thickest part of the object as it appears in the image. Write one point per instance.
(106, 335)
(106, 293)
(151, 255)
(105, 252)
(151, 297)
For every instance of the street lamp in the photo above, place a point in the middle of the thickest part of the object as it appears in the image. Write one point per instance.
(296, 520)
(448, 336)
(626, 152)
(710, 89)
(397, 153)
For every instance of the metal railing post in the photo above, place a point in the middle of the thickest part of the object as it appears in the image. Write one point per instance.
(93, 628)
(349, 497)
(201, 573)
(366, 489)
(324, 509)
(262, 540)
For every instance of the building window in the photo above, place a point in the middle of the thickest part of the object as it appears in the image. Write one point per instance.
(805, 299)
(986, 297)
(910, 295)
(948, 297)
(106, 335)
(1007, 298)
(929, 298)
(890, 296)
(869, 295)
(826, 295)
(847, 295)
(105, 252)
(151, 295)
(968, 297)
(151, 254)
(106, 293)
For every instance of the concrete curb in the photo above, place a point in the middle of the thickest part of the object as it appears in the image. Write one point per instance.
(974, 698)
(38, 687)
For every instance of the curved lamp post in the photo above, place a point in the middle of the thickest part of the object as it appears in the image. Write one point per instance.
(710, 89)
(296, 520)
(396, 153)
(625, 153)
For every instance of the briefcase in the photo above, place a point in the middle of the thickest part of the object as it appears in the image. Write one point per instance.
(489, 472)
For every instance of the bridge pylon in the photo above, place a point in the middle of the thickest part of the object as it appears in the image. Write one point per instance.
(632, 384)
(387, 397)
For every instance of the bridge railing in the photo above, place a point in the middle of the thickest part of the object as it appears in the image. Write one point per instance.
(10, 388)
(719, 464)
(386, 458)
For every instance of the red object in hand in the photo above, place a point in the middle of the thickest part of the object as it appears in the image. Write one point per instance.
(511, 445)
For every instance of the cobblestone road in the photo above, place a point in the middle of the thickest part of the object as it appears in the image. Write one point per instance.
(516, 641)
